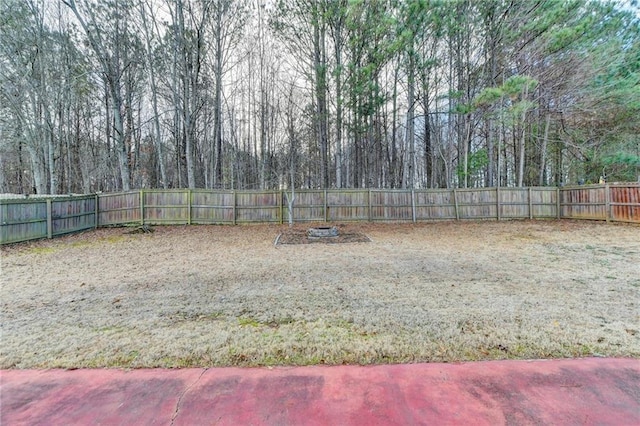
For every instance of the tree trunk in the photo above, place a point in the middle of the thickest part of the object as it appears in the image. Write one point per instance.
(395, 172)
(543, 150)
(338, 58)
(522, 141)
(217, 106)
(320, 68)
(410, 118)
(154, 99)
(111, 75)
(118, 133)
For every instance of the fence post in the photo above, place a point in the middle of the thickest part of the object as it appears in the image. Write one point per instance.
(326, 206)
(530, 205)
(413, 205)
(97, 211)
(49, 219)
(235, 202)
(455, 203)
(189, 194)
(607, 201)
(142, 207)
(281, 201)
(558, 214)
(369, 203)
(498, 205)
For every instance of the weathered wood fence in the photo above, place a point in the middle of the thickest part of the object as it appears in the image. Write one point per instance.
(32, 218)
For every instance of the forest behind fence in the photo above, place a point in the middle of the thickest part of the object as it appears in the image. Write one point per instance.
(33, 218)
(249, 94)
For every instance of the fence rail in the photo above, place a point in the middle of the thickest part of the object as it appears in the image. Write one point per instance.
(33, 218)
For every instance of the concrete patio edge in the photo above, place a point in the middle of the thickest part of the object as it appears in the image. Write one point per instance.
(569, 391)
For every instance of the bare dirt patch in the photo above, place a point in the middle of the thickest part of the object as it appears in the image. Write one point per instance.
(220, 295)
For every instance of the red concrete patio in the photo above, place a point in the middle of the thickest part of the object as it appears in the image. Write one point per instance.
(581, 392)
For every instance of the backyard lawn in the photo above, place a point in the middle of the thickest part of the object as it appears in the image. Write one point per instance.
(228, 295)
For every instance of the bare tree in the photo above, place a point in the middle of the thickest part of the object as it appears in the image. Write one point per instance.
(146, 15)
(107, 48)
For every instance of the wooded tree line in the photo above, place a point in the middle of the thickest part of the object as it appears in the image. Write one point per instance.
(254, 94)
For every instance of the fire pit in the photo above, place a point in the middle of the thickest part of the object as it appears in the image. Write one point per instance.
(322, 232)
(320, 235)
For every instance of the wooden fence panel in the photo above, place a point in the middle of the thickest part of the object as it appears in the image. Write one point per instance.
(212, 207)
(73, 214)
(478, 203)
(585, 202)
(625, 203)
(258, 207)
(544, 203)
(348, 205)
(166, 207)
(22, 220)
(514, 203)
(391, 205)
(437, 204)
(119, 208)
(34, 218)
(309, 206)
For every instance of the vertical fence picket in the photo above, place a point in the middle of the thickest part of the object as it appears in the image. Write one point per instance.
(607, 202)
(189, 198)
(455, 204)
(141, 207)
(235, 207)
(96, 212)
(49, 219)
(326, 207)
(413, 205)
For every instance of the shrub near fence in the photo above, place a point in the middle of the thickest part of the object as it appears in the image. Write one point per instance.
(32, 218)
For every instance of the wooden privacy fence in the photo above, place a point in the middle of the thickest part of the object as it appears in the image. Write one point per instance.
(31, 218)
(164, 207)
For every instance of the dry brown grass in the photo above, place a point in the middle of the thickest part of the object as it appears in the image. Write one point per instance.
(207, 295)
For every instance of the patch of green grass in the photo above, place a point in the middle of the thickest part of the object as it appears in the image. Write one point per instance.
(116, 360)
(584, 350)
(41, 250)
(112, 239)
(277, 322)
(187, 361)
(248, 322)
(80, 243)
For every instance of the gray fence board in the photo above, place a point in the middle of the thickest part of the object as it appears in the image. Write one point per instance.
(22, 220)
(119, 208)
